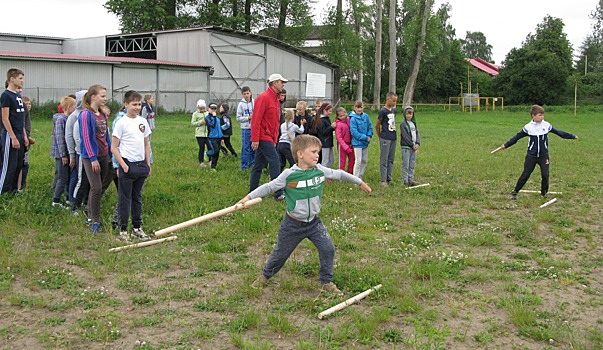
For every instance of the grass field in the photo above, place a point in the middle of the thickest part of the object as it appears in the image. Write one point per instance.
(462, 266)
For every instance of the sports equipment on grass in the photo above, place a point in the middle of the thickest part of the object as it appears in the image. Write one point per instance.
(206, 217)
(417, 186)
(549, 202)
(143, 244)
(531, 191)
(348, 302)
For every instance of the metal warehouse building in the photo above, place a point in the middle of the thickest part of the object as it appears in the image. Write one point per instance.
(178, 66)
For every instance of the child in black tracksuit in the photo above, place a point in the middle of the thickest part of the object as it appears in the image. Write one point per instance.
(226, 130)
(538, 149)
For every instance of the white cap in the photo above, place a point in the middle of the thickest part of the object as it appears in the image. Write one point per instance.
(275, 77)
(201, 103)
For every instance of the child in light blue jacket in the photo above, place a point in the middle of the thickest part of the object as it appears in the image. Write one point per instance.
(361, 129)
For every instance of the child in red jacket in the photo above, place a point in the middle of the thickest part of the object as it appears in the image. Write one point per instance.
(344, 140)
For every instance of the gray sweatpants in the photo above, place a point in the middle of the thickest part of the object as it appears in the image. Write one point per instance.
(290, 235)
(386, 159)
(361, 155)
(409, 157)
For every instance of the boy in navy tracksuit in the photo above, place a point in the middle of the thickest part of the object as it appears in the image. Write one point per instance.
(538, 149)
(13, 135)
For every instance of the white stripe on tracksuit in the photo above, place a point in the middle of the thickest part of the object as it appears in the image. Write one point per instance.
(7, 146)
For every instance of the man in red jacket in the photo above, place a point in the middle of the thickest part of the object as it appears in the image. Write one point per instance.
(265, 125)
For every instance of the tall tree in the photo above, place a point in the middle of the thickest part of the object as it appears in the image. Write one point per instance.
(538, 71)
(392, 45)
(409, 89)
(475, 45)
(293, 19)
(141, 15)
(378, 48)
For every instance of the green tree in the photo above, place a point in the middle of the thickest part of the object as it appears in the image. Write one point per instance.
(538, 71)
(143, 15)
(475, 45)
(292, 18)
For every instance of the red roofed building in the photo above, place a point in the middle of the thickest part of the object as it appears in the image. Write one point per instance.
(484, 66)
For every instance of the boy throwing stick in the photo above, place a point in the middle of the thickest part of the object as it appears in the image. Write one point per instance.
(130, 147)
(538, 149)
(303, 184)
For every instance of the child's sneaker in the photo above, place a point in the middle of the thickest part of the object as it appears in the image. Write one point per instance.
(124, 236)
(88, 221)
(95, 227)
(260, 282)
(331, 288)
(513, 195)
(59, 205)
(139, 233)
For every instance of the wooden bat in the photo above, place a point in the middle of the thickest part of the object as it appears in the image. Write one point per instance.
(496, 150)
(348, 302)
(549, 202)
(417, 186)
(143, 244)
(206, 217)
(530, 191)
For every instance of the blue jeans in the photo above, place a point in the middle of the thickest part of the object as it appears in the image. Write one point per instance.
(265, 155)
(290, 235)
(247, 153)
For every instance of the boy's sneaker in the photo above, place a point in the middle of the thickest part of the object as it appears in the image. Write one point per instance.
(513, 195)
(59, 205)
(384, 183)
(412, 184)
(330, 288)
(280, 198)
(124, 236)
(88, 221)
(95, 227)
(139, 234)
(260, 282)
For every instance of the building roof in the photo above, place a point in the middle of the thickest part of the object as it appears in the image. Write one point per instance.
(483, 65)
(271, 40)
(95, 59)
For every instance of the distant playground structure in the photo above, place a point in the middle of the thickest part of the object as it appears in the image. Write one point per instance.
(473, 101)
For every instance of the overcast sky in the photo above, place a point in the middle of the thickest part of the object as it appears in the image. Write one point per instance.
(504, 23)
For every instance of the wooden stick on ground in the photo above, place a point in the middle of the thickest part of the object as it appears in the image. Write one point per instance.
(348, 302)
(531, 191)
(206, 217)
(417, 186)
(143, 244)
(549, 202)
(496, 150)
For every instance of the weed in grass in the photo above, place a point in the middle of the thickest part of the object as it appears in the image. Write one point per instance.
(393, 336)
(247, 320)
(142, 300)
(279, 323)
(55, 277)
(54, 321)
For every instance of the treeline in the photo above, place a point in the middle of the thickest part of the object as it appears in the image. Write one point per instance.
(415, 36)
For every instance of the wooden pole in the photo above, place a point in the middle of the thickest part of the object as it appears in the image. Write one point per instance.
(549, 202)
(143, 244)
(206, 217)
(348, 302)
(496, 150)
(417, 186)
(531, 191)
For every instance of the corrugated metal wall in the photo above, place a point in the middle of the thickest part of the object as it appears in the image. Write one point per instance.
(49, 81)
(184, 46)
(23, 43)
(179, 87)
(86, 46)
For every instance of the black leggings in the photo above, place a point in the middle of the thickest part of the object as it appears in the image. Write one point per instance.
(202, 142)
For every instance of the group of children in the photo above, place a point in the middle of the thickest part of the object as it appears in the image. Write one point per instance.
(88, 157)
(353, 132)
(212, 131)
(81, 139)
